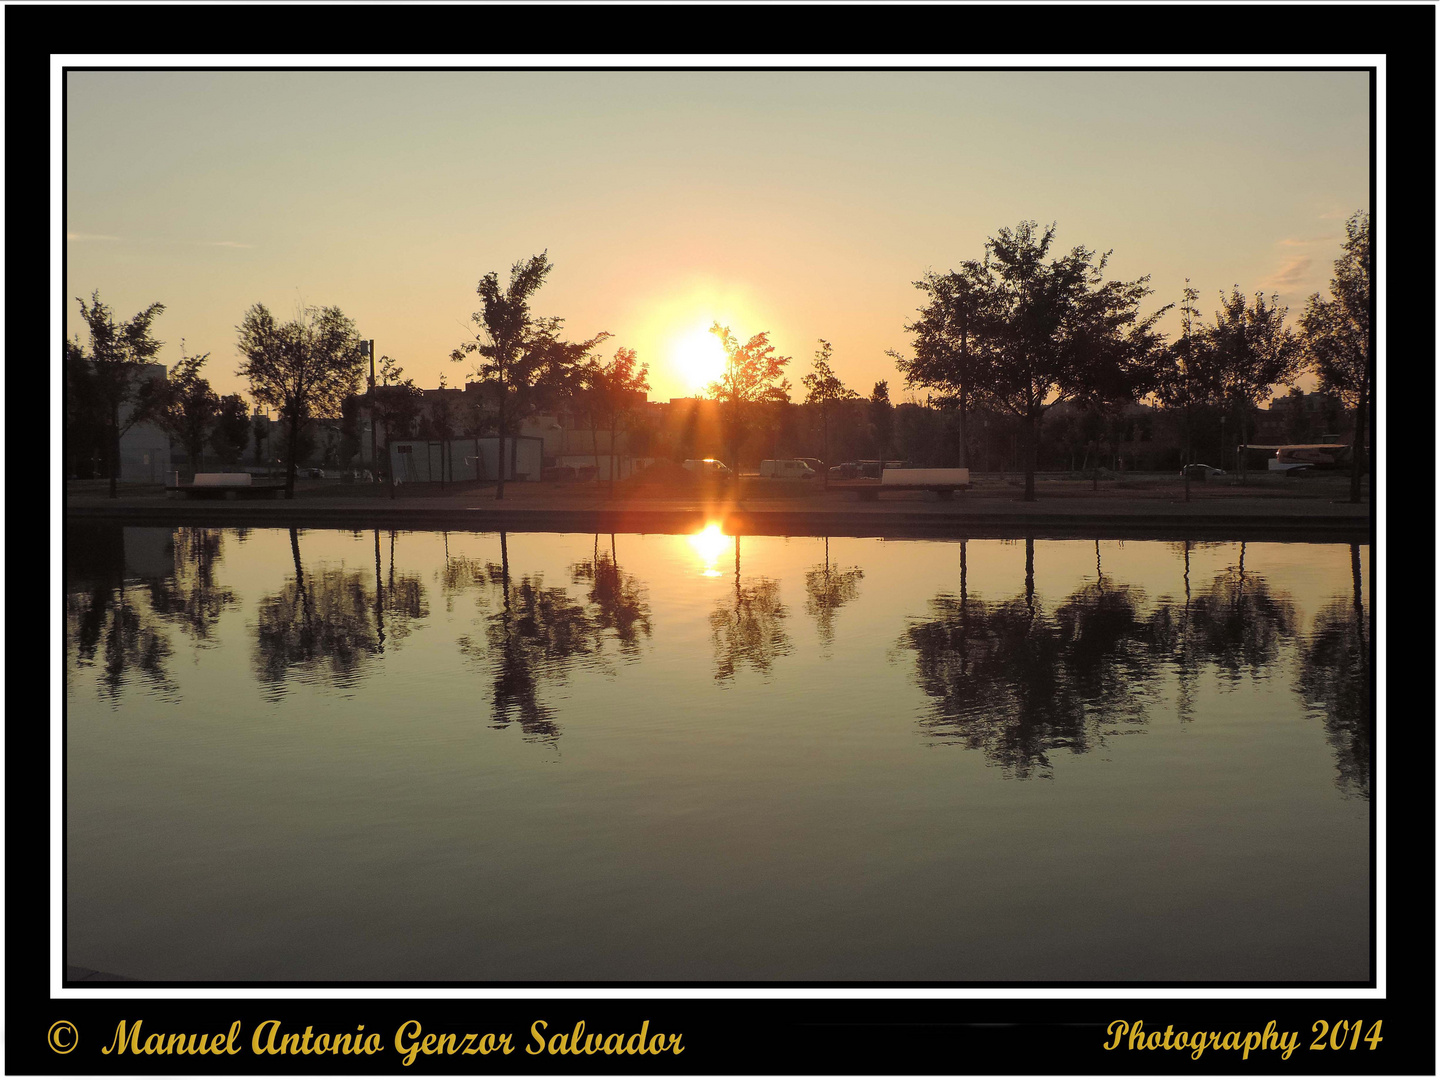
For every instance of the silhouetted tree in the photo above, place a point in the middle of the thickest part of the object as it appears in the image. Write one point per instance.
(753, 375)
(882, 420)
(1253, 350)
(524, 356)
(1337, 336)
(394, 407)
(187, 407)
(952, 345)
(823, 388)
(305, 368)
(1186, 376)
(1056, 330)
(114, 384)
(615, 389)
(231, 430)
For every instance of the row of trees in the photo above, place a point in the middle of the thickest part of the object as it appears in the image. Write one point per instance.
(312, 365)
(1020, 332)
(1015, 333)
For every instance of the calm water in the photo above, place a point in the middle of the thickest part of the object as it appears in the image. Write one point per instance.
(371, 756)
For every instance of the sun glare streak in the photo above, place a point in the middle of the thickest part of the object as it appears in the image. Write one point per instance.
(710, 543)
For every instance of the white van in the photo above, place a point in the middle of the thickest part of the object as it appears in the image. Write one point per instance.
(787, 469)
(708, 467)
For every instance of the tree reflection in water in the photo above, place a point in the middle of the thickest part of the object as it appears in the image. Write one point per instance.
(329, 623)
(827, 589)
(1016, 683)
(1239, 622)
(1334, 675)
(748, 628)
(538, 634)
(191, 596)
(617, 598)
(107, 615)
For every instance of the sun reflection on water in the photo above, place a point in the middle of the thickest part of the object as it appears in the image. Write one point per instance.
(710, 543)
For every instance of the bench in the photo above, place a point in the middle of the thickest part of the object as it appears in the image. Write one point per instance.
(944, 482)
(224, 486)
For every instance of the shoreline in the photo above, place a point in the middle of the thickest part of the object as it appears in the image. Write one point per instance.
(968, 516)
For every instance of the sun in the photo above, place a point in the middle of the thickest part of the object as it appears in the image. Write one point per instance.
(700, 358)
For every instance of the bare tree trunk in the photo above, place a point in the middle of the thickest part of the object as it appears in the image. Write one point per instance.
(500, 480)
(613, 462)
(964, 446)
(1357, 451)
(292, 454)
(1031, 456)
(114, 448)
(825, 446)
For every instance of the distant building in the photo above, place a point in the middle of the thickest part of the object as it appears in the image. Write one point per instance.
(144, 447)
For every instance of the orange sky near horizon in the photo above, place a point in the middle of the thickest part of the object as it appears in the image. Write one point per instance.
(801, 203)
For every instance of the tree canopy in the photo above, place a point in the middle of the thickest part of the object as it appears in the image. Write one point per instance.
(754, 374)
(305, 368)
(1337, 334)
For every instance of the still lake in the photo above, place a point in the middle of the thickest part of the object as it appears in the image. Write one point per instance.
(376, 756)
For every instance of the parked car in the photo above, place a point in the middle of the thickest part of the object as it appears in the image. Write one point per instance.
(1201, 472)
(709, 468)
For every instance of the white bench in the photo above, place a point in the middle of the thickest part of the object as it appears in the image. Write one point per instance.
(216, 485)
(223, 479)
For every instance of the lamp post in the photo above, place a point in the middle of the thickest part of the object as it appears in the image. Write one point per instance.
(1222, 442)
(367, 350)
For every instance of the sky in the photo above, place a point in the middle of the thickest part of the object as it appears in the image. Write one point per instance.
(805, 204)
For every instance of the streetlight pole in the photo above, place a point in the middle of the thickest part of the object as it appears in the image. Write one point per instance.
(367, 349)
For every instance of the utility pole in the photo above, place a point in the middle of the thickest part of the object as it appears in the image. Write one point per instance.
(367, 349)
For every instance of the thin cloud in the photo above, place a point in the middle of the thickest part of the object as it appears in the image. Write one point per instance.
(1288, 276)
(82, 236)
(228, 243)
(1293, 241)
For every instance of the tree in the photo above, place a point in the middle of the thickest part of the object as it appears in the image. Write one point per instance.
(1185, 378)
(305, 368)
(823, 386)
(115, 385)
(615, 390)
(188, 407)
(1337, 336)
(232, 429)
(752, 376)
(394, 405)
(1253, 350)
(1054, 331)
(882, 419)
(504, 322)
(951, 347)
